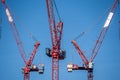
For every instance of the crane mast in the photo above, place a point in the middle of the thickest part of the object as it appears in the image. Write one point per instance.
(56, 34)
(27, 69)
(89, 63)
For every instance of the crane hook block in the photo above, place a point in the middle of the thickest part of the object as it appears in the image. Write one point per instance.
(3, 1)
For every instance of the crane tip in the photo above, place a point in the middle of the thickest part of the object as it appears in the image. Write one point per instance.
(73, 41)
(37, 43)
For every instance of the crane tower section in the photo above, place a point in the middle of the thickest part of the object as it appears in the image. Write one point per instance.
(56, 35)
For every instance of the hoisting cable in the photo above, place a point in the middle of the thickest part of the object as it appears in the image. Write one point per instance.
(119, 18)
(93, 24)
(0, 26)
(57, 10)
(0, 21)
(119, 28)
(58, 14)
(73, 55)
(26, 29)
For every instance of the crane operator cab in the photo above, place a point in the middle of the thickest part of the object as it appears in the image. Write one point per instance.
(62, 53)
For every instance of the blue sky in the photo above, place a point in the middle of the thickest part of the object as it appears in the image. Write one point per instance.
(77, 15)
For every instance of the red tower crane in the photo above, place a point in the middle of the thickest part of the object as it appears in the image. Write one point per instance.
(88, 64)
(56, 35)
(29, 67)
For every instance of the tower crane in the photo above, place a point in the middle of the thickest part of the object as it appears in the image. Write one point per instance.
(88, 64)
(56, 35)
(28, 63)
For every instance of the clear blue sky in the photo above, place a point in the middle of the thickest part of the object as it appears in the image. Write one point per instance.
(77, 15)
